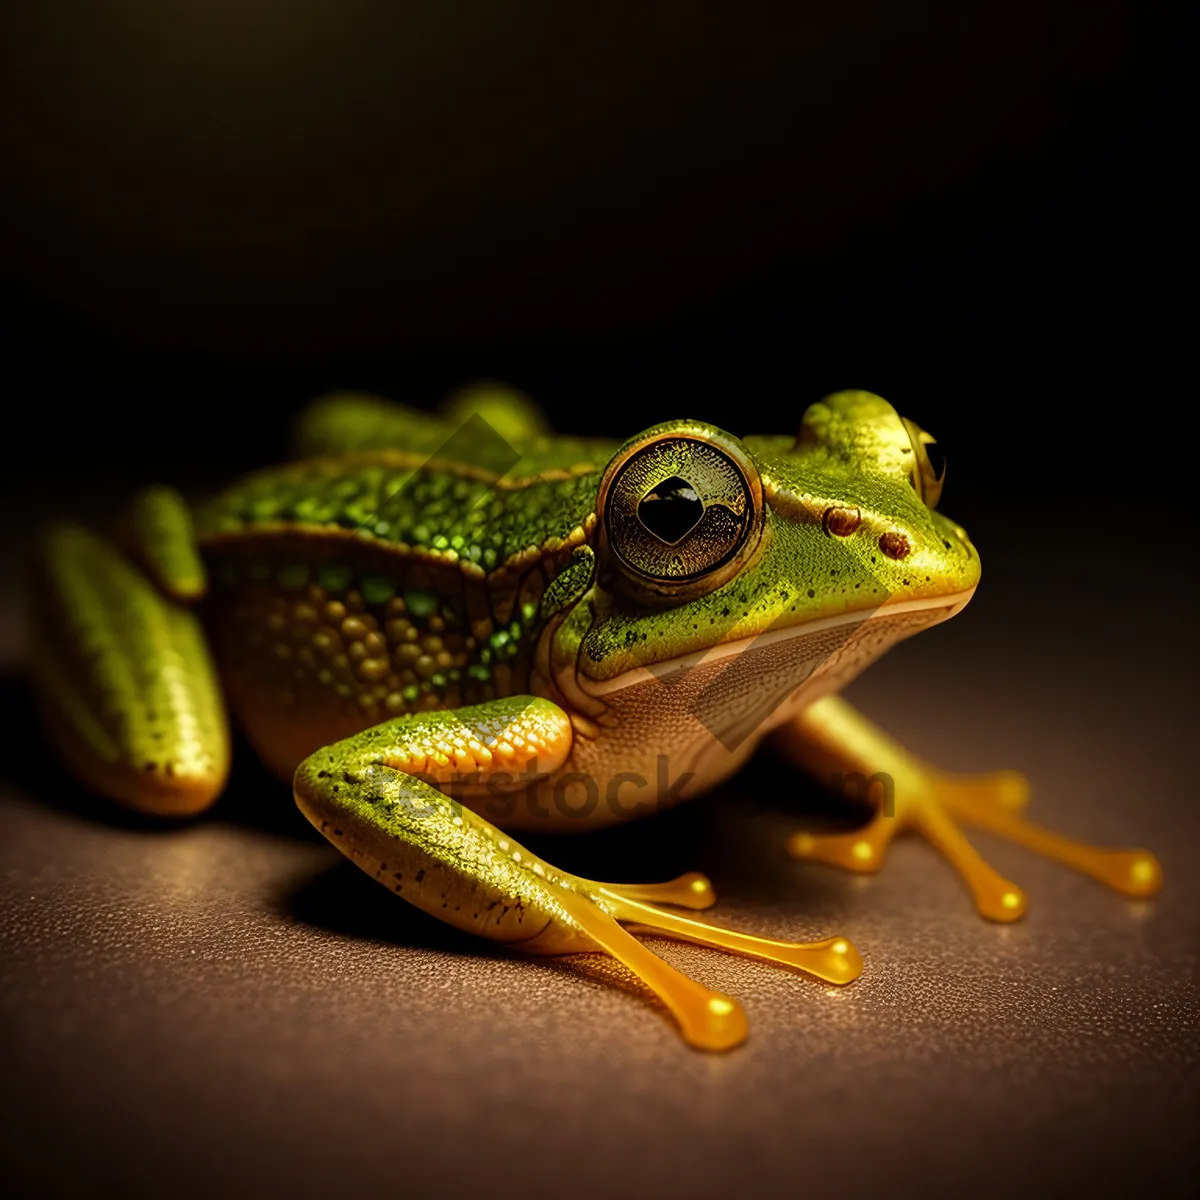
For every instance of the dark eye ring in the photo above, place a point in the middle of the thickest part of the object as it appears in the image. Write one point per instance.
(680, 508)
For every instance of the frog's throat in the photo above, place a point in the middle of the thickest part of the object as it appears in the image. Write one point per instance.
(939, 608)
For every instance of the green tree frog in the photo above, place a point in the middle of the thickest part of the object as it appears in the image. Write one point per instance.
(444, 630)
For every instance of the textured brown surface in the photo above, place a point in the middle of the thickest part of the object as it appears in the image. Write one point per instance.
(227, 1007)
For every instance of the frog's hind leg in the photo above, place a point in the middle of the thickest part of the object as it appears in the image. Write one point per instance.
(157, 533)
(122, 673)
(355, 422)
(376, 796)
(833, 741)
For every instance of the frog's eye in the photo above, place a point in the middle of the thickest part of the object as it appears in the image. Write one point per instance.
(681, 508)
(929, 464)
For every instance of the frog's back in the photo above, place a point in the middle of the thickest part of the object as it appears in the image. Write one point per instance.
(350, 588)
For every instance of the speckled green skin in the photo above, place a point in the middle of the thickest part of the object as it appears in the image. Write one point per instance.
(461, 511)
(445, 629)
(428, 562)
(429, 615)
(850, 454)
(443, 503)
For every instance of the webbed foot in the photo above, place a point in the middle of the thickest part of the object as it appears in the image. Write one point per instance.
(830, 735)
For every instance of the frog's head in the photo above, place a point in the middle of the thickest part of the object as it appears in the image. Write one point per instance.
(744, 573)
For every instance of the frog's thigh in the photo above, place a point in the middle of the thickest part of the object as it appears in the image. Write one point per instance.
(831, 739)
(157, 531)
(124, 679)
(376, 797)
(347, 422)
(510, 413)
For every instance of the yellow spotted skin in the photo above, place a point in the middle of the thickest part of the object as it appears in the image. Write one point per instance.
(428, 621)
(379, 803)
(125, 679)
(306, 662)
(160, 535)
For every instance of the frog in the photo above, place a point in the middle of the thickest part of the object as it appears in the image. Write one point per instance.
(446, 629)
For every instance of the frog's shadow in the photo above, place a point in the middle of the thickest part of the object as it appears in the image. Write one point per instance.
(731, 835)
(342, 900)
(735, 835)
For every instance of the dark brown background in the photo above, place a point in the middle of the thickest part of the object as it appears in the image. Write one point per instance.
(214, 212)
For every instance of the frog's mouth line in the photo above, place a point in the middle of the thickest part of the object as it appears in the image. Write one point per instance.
(952, 604)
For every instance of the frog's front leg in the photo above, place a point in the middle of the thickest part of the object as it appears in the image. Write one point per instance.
(376, 797)
(831, 739)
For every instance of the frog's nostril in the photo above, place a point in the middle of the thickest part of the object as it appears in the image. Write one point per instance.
(841, 522)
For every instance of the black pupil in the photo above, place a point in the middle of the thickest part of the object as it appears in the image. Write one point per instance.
(937, 460)
(671, 510)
